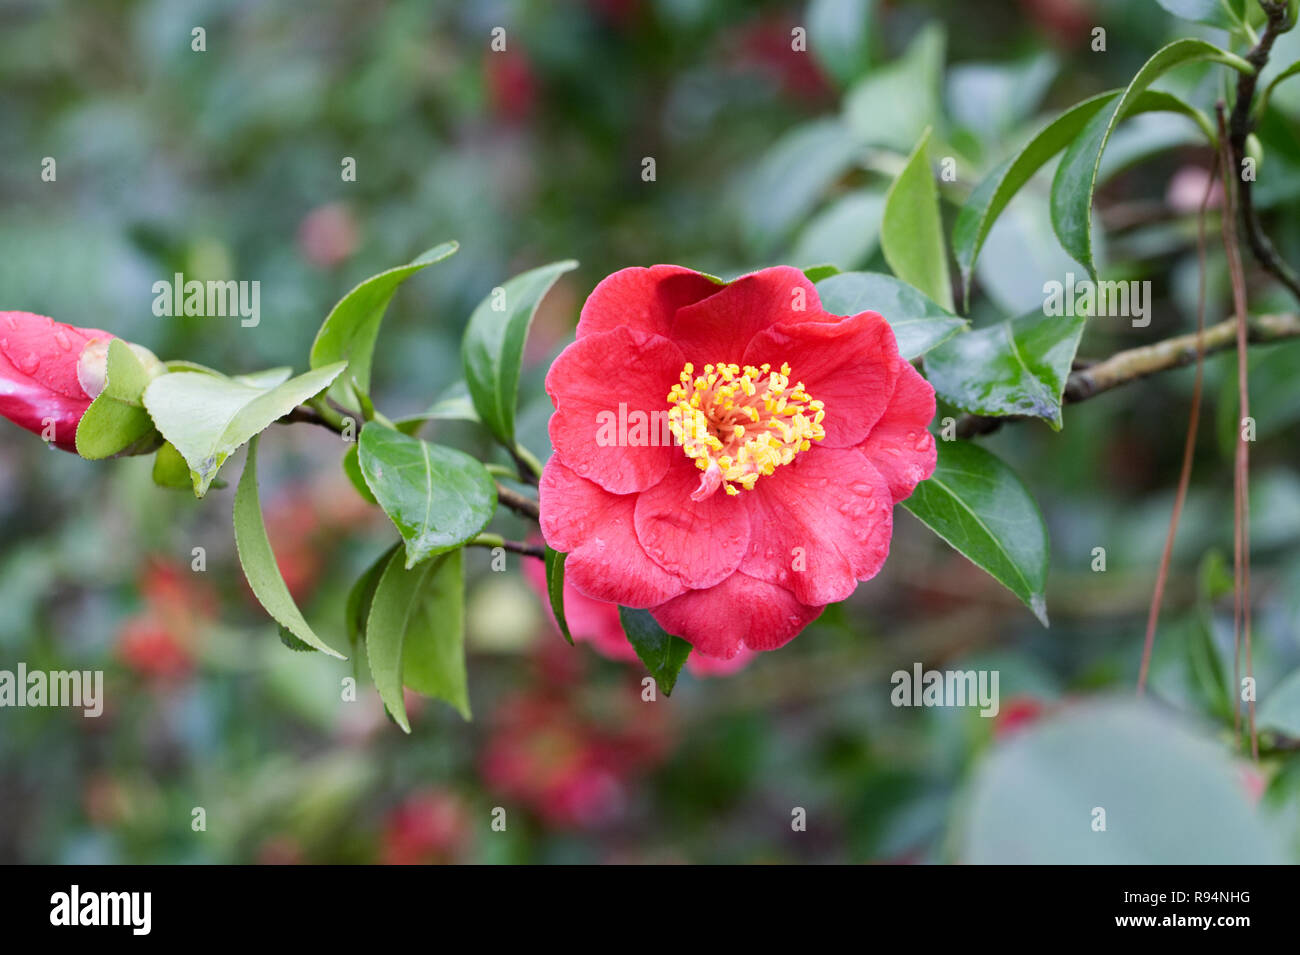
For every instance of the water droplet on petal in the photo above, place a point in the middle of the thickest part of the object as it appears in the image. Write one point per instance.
(29, 364)
(61, 337)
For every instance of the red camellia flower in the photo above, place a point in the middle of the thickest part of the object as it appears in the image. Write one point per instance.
(49, 374)
(431, 826)
(728, 455)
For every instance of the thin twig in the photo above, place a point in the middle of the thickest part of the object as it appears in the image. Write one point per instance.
(515, 547)
(1189, 445)
(517, 502)
(1240, 126)
(1133, 364)
(1241, 469)
(307, 415)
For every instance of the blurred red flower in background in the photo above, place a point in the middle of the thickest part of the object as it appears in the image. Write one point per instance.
(572, 769)
(429, 827)
(160, 642)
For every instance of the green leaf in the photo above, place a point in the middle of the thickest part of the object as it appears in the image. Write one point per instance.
(815, 273)
(846, 233)
(1016, 367)
(1280, 711)
(911, 233)
(493, 346)
(839, 35)
(116, 420)
(208, 418)
(415, 633)
(662, 653)
(362, 595)
(792, 175)
(1215, 13)
(293, 643)
(992, 195)
(555, 590)
(258, 560)
(893, 104)
(170, 469)
(918, 323)
(1076, 177)
(437, 498)
(350, 329)
(1032, 801)
(980, 507)
(352, 468)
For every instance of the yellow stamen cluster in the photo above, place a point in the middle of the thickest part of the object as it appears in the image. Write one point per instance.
(739, 424)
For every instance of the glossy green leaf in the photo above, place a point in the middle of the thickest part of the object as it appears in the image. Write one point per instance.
(350, 329)
(918, 323)
(436, 497)
(839, 35)
(555, 590)
(415, 633)
(662, 653)
(911, 232)
(1280, 711)
(1170, 795)
(258, 560)
(1016, 367)
(1076, 177)
(208, 418)
(789, 180)
(893, 104)
(1215, 13)
(493, 346)
(991, 196)
(995, 191)
(980, 507)
(116, 420)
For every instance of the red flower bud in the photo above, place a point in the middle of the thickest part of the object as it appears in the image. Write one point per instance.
(49, 374)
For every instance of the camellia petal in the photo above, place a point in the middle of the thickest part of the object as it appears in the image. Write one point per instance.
(643, 300)
(39, 387)
(609, 392)
(849, 365)
(719, 327)
(740, 612)
(820, 525)
(702, 542)
(899, 445)
(597, 531)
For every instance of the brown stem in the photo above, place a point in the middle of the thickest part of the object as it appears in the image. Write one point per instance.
(517, 502)
(1241, 469)
(1240, 126)
(1189, 445)
(308, 415)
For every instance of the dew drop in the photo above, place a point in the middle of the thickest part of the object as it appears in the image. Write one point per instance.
(29, 364)
(62, 338)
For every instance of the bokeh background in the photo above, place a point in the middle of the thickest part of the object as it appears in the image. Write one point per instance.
(226, 164)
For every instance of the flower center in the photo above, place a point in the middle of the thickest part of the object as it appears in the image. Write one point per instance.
(738, 424)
